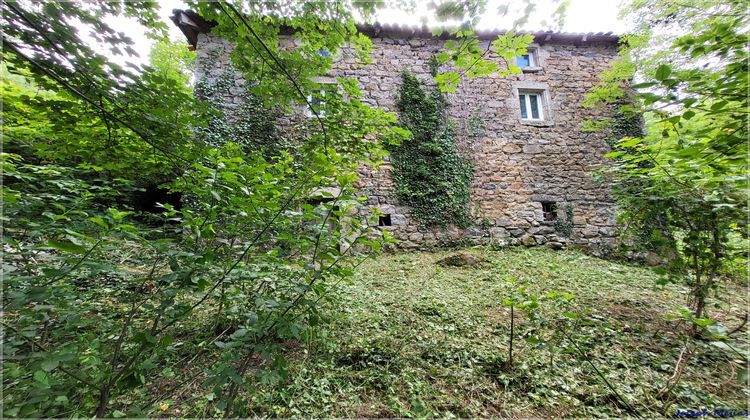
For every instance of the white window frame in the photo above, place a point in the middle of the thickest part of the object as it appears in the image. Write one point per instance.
(532, 59)
(526, 94)
(321, 106)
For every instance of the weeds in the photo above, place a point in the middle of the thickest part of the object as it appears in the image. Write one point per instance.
(413, 338)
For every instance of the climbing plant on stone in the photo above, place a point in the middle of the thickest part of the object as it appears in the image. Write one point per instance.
(430, 174)
(248, 123)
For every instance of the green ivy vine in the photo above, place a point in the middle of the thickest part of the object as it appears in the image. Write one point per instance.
(564, 226)
(250, 124)
(625, 123)
(476, 125)
(429, 173)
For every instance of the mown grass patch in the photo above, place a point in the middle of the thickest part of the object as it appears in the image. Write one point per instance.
(414, 338)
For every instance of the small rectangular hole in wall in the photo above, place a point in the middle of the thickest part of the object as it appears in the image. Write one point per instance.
(384, 220)
(549, 209)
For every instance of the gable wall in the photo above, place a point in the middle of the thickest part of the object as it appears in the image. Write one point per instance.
(516, 165)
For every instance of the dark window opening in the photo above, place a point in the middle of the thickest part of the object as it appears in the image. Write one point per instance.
(315, 202)
(384, 220)
(147, 200)
(550, 210)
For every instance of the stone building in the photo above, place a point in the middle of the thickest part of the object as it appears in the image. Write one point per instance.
(535, 168)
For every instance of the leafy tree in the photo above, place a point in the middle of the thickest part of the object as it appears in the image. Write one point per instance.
(689, 167)
(99, 308)
(174, 61)
(47, 38)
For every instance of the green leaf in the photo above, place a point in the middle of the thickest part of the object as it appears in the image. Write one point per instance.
(66, 246)
(239, 333)
(742, 376)
(702, 322)
(41, 377)
(50, 364)
(718, 105)
(630, 141)
(99, 221)
(662, 72)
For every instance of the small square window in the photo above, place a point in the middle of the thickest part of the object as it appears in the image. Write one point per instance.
(317, 100)
(549, 209)
(531, 105)
(384, 220)
(527, 60)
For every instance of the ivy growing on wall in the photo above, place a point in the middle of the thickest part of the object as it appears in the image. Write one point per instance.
(475, 128)
(624, 123)
(430, 175)
(250, 124)
(653, 233)
(564, 225)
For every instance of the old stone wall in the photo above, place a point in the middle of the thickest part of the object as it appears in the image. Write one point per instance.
(534, 182)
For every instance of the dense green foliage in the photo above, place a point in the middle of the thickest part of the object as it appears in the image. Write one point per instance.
(251, 125)
(249, 229)
(682, 183)
(99, 307)
(430, 175)
(120, 299)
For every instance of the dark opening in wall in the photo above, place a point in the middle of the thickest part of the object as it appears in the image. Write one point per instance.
(315, 202)
(384, 220)
(324, 209)
(148, 199)
(549, 209)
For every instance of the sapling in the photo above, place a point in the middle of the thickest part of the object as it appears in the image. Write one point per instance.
(518, 298)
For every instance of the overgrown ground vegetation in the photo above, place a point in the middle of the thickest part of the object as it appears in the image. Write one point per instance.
(250, 291)
(410, 337)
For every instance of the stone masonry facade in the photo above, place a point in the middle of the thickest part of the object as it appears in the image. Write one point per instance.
(535, 181)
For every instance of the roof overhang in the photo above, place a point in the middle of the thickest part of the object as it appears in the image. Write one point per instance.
(191, 24)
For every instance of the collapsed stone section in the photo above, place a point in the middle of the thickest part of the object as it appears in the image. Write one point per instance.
(524, 169)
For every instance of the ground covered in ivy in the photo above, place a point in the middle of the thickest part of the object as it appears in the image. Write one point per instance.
(412, 337)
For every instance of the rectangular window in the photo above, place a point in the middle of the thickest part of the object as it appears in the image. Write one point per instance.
(550, 210)
(534, 100)
(527, 60)
(531, 105)
(318, 103)
(523, 60)
(384, 220)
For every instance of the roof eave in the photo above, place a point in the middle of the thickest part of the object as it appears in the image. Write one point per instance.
(191, 24)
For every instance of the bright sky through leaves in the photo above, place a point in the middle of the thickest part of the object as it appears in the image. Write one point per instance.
(581, 16)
